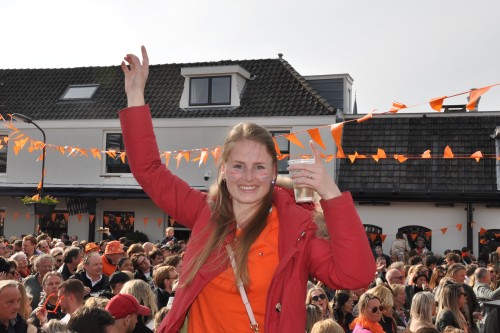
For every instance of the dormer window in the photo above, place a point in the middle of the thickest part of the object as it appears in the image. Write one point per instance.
(213, 86)
(79, 92)
(214, 90)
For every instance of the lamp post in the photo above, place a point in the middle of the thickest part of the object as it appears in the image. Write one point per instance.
(28, 120)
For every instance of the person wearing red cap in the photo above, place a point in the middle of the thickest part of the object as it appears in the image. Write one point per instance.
(112, 254)
(125, 309)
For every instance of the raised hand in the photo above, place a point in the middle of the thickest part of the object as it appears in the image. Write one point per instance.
(315, 176)
(136, 75)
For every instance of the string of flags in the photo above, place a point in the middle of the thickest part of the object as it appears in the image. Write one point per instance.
(201, 155)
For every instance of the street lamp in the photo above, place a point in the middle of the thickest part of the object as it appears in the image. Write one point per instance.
(28, 120)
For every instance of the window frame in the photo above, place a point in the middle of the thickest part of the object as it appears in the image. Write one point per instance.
(115, 161)
(4, 151)
(76, 86)
(209, 99)
(50, 227)
(282, 164)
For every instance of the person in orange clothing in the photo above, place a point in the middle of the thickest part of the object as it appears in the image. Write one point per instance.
(112, 254)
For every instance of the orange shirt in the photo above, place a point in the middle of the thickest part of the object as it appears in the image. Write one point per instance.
(107, 267)
(219, 307)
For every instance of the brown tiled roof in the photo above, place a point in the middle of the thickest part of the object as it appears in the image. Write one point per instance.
(422, 179)
(277, 90)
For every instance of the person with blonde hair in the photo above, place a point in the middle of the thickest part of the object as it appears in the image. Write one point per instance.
(384, 294)
(249, 237)
(145, 296)
(327, 326)
(400, 313)
(313, 315)
(452, 302)
(25, 309)
(423, 309)
(316, 295)
(370, 314)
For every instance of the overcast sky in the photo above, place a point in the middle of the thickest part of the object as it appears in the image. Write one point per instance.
(395, 50)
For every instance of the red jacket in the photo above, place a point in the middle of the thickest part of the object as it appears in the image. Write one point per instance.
(345, 261)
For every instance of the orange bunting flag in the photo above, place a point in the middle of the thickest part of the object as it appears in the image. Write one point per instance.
(179, 159)
(79, 216)
(91, 218)
(14, 216)
(16, 149)
(167, 157)
(459, 226)
(111, 153)
(146, 220)
(477, 155)
(187, 155)
(380, 154)
(336, 130)
(355, 156)
(373, 237)
(66, 217)
(437, 103)
(276, 147)
(482, 231)
(118, 219)
(27, 216)
(329, 158)
(159, 221)
(448, 153)
(474, 96)
(428, 234)
(396, 106)
(106, 219)
(414, 236)
(293, 139)
(426, 154)
(383, 237)
(443, 230)
(53, 216)
(216, 154)
(400, 158)
(122, 157)
(95, 153)
(365, 118)
(131, 220)
(203, 157)
(316, 136)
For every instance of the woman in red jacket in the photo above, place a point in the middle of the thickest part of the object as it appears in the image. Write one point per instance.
(247, 221)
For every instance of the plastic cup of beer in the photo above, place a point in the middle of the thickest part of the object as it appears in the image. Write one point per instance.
(303, 193)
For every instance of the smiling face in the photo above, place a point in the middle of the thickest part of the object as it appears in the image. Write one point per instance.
(248, 171)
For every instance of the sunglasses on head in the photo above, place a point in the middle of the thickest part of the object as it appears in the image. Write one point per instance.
(318, 297)
(377, 308)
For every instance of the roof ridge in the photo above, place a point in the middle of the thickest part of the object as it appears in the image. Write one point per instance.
(306, 85)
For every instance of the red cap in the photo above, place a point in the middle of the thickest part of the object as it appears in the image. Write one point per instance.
(123, 305)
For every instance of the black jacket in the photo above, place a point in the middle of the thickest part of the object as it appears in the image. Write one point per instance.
(100, 286)
(20, 326)
(162, 297)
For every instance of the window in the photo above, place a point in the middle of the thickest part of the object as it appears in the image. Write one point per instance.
(414, 232)
(55, 224)
(284, 146)
(119, 223)
(210, 90)
(3, 153)
(373, 233)
(488, 242)
(79, 92)
(114, 141)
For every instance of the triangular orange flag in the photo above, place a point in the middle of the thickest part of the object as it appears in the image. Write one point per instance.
(146, 219)
(293, 139)
(380, 154)
(187, 155)
(448, 153)
(426, 154)
(482, 231)
(383, 237)
(414, 236)
(459, 227)
(91, 218)
(276, 147)
(179, 158)
(118, 219)
(216, 154)
(106, 219)
(159, 221)
(400, 158)
(477, 155)
(373, 237)
(131, 220)
(14, 216)
(27, 216)
(474, 96)
(167, 157)
(16, 149)
(437, 103)
(53, 216)
(428, 234)
(122, 157)
(203, 157)
(66, 217)
(365, 118)
(336, 130)
(396, 106)
(443, 230)
(79, 216)
(355, 156)
(316, 136)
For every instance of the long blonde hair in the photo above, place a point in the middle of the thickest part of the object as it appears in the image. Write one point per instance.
(144, 295)
(222, 221)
